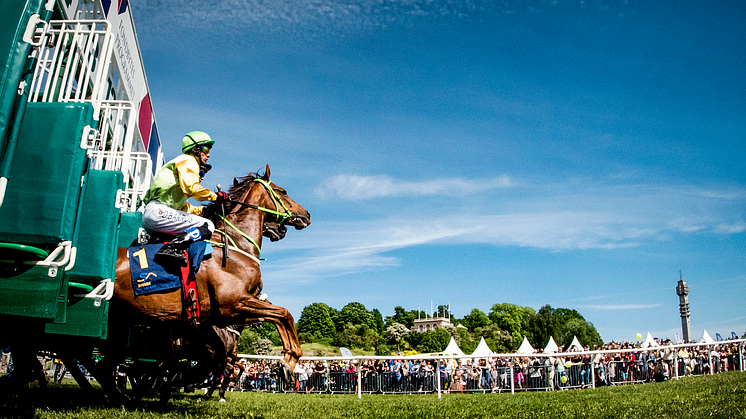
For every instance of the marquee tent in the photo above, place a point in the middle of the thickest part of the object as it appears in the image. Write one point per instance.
(649, 342)
(526, 347)
(482, 350)
(575, 345)
(706, 338)
(452, 348)
(551, 346)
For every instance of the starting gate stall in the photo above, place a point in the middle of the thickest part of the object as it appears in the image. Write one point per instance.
(78, 150)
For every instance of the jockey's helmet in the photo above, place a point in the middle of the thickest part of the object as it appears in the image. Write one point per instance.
(195, 138)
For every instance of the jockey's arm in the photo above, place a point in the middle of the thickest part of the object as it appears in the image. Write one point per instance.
(193, 209)
(188, 171)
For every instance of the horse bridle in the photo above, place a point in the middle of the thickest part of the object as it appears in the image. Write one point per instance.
(281, 217)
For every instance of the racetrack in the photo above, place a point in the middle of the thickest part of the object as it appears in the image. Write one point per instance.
(719, 396)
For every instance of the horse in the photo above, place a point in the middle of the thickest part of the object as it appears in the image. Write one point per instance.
(224, 361)
(229, 289)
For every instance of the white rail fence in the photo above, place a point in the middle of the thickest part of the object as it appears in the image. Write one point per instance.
(447, 374)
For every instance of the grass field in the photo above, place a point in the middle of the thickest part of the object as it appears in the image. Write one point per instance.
(720, 396)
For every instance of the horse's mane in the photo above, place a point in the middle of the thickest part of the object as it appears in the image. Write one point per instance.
(239, 188)
(241, 185)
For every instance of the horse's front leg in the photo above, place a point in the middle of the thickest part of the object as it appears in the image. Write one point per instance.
(253, 309)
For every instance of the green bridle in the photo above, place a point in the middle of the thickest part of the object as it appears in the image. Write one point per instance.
(281, 216)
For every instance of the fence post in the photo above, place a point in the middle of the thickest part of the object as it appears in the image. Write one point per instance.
(328, 377)
(359, 381)
(437, 375)
(710, 349)
(512, 379)
(593, 372)
(740, 357)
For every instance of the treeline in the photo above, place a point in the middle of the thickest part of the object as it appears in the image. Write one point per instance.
(503, 328)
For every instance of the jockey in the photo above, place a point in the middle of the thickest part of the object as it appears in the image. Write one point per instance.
(166, 208)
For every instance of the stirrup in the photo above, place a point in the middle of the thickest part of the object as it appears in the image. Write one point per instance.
(169, 256)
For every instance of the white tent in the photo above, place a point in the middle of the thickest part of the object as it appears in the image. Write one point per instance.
(482, 351)
(452, 348)
(575, 344)
(706, 338)
(526, 347)
(551, 346)
(649, 342)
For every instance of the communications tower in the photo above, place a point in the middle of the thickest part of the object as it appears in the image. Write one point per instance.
(683, 292)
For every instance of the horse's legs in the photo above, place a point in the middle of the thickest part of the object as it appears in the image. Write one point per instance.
(80, 378)
(255, 309)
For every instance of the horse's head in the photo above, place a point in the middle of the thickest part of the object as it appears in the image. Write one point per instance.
(281, 209)
(274, 231)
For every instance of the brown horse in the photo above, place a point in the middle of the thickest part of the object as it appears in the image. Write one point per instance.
(231, 294)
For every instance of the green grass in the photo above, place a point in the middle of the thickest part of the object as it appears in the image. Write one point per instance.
(720, 396)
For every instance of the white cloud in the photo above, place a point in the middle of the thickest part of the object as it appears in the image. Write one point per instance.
(621, 306)
(556, 217)
(355, 187)
(736, 228)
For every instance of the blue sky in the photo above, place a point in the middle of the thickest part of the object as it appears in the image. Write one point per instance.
(572, 153)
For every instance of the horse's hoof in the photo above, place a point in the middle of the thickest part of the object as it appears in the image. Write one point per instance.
(222, 400)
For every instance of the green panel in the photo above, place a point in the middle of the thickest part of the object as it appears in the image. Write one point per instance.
(129, 228)
(34, 293)
(83, 319)
(98, 228)
(14, 16)
(41, 202)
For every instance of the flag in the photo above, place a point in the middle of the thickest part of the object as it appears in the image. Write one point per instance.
(733, 335)
(718, 337)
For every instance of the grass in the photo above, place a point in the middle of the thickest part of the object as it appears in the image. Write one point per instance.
(719, 396)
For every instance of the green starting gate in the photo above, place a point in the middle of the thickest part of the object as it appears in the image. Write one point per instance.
(78, 148)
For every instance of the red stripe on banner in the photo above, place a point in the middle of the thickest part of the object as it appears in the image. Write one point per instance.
(145, 120)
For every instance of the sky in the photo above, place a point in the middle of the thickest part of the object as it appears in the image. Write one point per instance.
(581, 154)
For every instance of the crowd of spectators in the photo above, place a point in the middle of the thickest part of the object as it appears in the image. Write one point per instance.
(612, 364)
(617, 364)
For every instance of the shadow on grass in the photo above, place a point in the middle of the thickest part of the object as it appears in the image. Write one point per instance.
(26, 401)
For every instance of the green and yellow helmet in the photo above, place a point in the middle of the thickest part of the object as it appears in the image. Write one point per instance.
(195, 138)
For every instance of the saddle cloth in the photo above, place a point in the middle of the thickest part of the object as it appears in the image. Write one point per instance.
(149, 277)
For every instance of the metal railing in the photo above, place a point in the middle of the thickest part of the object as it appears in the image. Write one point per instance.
(511, 372)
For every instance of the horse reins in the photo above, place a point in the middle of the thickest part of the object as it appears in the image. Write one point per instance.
(281, 217)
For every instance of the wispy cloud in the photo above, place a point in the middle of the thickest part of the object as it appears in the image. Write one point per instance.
(555, 217)
(356, 187)
(621, 306)
(330, 16)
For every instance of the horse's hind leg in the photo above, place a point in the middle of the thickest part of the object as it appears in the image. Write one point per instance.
(254, 309)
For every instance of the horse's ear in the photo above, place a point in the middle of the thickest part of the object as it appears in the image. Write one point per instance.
(235, 182)
(266, 173)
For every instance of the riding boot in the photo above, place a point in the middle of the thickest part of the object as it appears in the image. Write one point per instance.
(172, 253)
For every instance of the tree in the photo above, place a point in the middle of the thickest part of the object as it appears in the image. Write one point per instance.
(499, 340)
(262, 347)
(356, 313)
(443, 311)
(403, 316)
(377, 320)
(246, 341)
(585, 331)
(357, 336)
(545, 324)
(513, 319)
(395, 333)
(434, 340)
(316, 320)
(477, 318)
